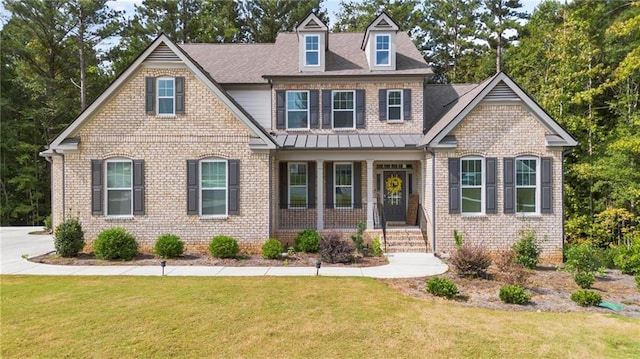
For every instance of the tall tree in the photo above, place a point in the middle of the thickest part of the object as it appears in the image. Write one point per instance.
(356, 15)
(450, 28)
(500, 20)
(264, 19)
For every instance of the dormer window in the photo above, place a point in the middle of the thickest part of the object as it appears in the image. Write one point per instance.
(382, 50)
(312, 50)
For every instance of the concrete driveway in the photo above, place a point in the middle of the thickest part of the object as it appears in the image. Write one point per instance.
(16, 242)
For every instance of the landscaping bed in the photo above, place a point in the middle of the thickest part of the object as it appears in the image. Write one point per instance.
(550, 291)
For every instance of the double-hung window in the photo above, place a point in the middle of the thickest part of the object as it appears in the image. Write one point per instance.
(526, 185)
(119, 189)
(298, 185)
(312, 50)
(343, 177)
(471, 182)
(213, 188)
(382, 50)
(297, 109)
(343, 109)
(166, 96)
(394, 105)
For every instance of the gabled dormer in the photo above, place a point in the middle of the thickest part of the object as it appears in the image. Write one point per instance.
(379, 43)
(312, 44)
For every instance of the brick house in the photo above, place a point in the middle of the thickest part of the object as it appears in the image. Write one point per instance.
(317, 130)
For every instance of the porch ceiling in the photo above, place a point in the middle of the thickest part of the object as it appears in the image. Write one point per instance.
(348, 141)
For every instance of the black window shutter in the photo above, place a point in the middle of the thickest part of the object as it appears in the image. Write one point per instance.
(454, 185)
(328, 170)
(284, 185)
(179, 95)
(280, 109)
(382, 104)
(547, 184)
(96, 187)
(509, 186)
(326, 108)
(138, 187)
(491, 193)
(314, 108)
(192, 187)
(406, 104)
(357, 184)
(360, 109)
(311, 184)
(234, 187)
(150, 95)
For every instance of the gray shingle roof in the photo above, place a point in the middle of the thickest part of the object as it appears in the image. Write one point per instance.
(248, 63)
(348, 141)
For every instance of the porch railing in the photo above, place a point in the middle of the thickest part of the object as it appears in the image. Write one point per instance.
(334, 217)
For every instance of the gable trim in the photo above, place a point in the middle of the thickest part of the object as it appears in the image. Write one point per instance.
(233, 106)
(502, 93)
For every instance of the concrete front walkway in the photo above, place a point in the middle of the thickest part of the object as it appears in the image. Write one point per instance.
(16, 242)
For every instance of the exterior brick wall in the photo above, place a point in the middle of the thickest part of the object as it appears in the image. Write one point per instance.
(207, 129)
(499, 131)
(372, 118)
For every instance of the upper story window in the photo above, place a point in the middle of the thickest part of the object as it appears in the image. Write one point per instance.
(394, 105)
(343, 109)
(119, 188)
(297, 109)
(471, 185)
(298, 185)
(311, 50)
(213, 188)
(166, 96)
(343, 186)
(526, 185)
(382, 50)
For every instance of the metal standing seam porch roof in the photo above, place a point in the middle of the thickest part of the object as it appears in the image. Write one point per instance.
(348, 141)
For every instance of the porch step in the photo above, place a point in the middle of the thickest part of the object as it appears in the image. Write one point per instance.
(404, 241)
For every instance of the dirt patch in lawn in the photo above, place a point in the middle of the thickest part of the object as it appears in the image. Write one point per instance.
(197, 259)
(550, 291)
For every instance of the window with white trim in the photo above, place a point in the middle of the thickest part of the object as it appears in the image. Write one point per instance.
(343, 109)
(213, 188)
(343, 185)
(471, 185)
(166, 96)
(312, 50)
(394, 105)
(298, 185)
(119, 189)
(382, 50)
(297, 109)
(526, 185)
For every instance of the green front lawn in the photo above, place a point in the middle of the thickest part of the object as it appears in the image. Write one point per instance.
(269, 317)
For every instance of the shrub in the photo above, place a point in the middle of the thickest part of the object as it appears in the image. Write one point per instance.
(638, 281)
(47, 222)
(115, 243)
(584, 279)
(527, 249)
(358, 239)
(471, 261)
(169, 246)
(376, 248)
(514, 294)
(509, 271)
(223, 247)
(69, 238)
(457, 238)
(442, 287)
(586, 298)
(307, 241)
(334, 249)
(581, 258)
(628, 257)
(272, 249)
(606, 257)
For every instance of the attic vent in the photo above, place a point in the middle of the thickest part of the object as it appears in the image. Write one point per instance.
(383, 23)
(162, 53)
(501, 92)
(312, 24)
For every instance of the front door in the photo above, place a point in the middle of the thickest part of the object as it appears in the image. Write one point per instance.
(395, 189)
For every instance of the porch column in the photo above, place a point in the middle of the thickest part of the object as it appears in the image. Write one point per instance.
(320, 194)
(370, 195)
